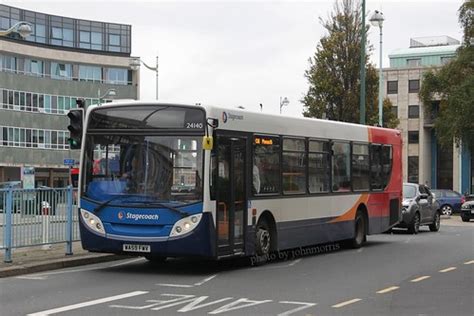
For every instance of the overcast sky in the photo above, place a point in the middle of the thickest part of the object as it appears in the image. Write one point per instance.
(243, 53)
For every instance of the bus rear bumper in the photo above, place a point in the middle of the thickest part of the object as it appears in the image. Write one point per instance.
(199, 242)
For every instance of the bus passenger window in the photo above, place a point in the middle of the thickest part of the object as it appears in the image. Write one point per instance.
(341, 167)
(319, 167)
(267, 160)
(360, 167)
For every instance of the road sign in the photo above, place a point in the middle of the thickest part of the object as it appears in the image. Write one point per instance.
(69, 161)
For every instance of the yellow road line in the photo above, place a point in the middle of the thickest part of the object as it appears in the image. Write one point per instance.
(389, 289)
(420, 278)
(448, 269)
(346, 303)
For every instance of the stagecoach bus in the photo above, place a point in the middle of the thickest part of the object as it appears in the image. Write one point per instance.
(169, 180)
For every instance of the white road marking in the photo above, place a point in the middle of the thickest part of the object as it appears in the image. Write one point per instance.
(360, 250)
(469, 262)
(448, 269)
(90, 303)
(65, 271)
(294, 262)
(297, 309)
(389, 289)
(420, 278)
(126, 262)
(175, 285)
(205, 280)
(238, 304)
(355, 300)
(31, 277)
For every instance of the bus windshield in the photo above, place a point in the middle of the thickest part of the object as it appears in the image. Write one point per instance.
(130, 169)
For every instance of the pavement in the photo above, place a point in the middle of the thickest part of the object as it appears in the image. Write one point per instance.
(37, 259)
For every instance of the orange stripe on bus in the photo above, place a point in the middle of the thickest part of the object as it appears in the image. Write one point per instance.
(350, 214)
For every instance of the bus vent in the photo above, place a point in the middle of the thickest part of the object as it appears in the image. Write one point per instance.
(394, 211)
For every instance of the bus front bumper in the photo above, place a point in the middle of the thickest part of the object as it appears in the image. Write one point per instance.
(198, 242)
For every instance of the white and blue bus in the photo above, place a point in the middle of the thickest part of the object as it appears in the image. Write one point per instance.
(168, 180)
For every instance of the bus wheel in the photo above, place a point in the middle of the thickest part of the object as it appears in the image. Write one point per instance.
(263, 239)
(360, 231)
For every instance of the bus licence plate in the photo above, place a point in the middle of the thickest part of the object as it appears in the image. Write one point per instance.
(136, 248)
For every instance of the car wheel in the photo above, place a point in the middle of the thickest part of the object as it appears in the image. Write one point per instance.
(414, 226)
(263, 239)
(434, 227)
(447, 210)
(465, 219)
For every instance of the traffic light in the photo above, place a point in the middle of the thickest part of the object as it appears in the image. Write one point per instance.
(76, 117)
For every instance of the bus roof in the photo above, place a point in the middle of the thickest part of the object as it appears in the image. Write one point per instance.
(237, 119)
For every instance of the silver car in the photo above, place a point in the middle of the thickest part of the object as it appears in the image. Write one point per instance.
(419, 207)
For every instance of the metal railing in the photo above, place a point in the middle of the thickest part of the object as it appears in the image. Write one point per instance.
(37, 217)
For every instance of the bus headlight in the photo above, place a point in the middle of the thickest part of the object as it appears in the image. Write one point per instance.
(92, 222)
(185, 225)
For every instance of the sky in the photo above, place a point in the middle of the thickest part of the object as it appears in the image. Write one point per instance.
(243, 53)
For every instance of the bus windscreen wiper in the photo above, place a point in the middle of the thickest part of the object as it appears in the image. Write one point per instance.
(158, 204)
(104, 204)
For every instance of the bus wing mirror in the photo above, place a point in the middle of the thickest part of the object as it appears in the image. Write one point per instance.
(207, 142)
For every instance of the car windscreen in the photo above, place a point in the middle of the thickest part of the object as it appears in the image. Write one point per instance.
(409, 191)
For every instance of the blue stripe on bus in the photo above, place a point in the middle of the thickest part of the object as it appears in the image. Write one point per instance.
(139, 221)
(200, 242)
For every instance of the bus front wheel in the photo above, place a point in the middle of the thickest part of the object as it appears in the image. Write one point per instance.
(263, 239)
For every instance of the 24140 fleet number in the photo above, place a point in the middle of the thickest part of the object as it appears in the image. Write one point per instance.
(194, 125)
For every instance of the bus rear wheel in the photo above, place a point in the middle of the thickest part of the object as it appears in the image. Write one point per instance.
(360, 231)
(263, 239)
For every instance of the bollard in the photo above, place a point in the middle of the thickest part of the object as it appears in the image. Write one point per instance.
(69, 213)
(8, 227)
(45, 218)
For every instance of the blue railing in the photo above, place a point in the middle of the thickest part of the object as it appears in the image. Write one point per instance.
(37, 217)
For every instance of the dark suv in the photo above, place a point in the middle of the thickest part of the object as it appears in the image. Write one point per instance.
(467, 209)
(419, 207)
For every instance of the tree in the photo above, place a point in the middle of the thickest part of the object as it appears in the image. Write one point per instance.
(334, 70)
(453, 86)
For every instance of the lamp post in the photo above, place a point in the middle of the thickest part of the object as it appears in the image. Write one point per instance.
(283, 102)
(377, 20)
(135, 64)
(362, 69)
(109, 93)
(24, 29)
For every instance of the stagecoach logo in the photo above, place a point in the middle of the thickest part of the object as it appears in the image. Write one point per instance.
(121, 215)
(229, 116)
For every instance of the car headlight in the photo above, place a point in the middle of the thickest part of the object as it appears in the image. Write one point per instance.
(93, 222)
(465, 206)
(185, 225)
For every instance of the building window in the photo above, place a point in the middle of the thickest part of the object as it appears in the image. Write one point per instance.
(413, 86)
(394, 110)
(61, 71)
(36, 138)
(360, 167)
(413, 111)
(90, 73)
(114, 43)
(415, 62)
(117, 76)
(34, 67)
(392, 87)
(413, 169)
(7, 63)
(294, 166)
(446, 60)
(341, 167)
(413, 137)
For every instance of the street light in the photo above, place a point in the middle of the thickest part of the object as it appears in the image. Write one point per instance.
(109, 93)
(135, 64)
(283, 102)
(377, 20)
(24, 29)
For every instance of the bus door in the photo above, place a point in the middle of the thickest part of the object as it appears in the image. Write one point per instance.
(231, 196)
